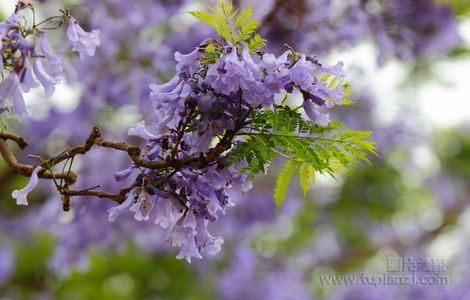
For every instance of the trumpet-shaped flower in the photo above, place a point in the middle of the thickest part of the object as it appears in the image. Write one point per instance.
(83, 42)
(21, 195)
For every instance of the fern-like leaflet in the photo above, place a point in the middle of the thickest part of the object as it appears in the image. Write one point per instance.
(235, 26)
(309, 146)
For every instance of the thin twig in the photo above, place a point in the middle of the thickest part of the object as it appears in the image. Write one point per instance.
(21, 142)
(95, 139)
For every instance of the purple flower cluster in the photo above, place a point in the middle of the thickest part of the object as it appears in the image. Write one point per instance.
(130, 40)
(184, 203)
(409, 29)
(28, 64)
(406, 29)
(246, 82)
(211, 100)
(124, 26)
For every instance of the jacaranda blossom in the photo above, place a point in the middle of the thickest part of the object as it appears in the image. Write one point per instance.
(83, 42)
(21, 195)
(11, 94)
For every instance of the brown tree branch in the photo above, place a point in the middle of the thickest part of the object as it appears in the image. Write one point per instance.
(22, 143)
(95, 139)
(135, 154)
(100, 194)
(27, 170)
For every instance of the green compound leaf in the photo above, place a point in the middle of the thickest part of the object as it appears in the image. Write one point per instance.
(306, 173)
(234, 26)
(282, 132)
(282, 183)
(256, 43)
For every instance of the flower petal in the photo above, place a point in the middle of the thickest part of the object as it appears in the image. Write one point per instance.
(21, 195)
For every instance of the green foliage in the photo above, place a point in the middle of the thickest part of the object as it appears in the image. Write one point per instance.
(302, 235)
(461, 8)
(29, 268)
(461, 51)
(308, 146)
(373, 194)
(3, 125)
(30, 272)
(211, 55)
(256, 42)
(454, 151)
(306, 173)
(333, 82)
(283, 181)
(244, 26)
(129, 274)
(236, 26)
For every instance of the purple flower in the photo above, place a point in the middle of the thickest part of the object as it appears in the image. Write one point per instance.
(302, 73)
(314, 113)
(47, 80)
(11, 95)
(8, 88)
(187, 63)
(205, 101)
(124, 174)
(205, 240)
(140, 131)
(83, 42)
(27, 65)
(336, 70)
(54, 61)
(314, 98)
(229, 74)
(188, 248)
(28, 81)
(116, 211)
(167, 214)
(182, 235)
(142, 207)
(21, 195)
(12, 20)
(168, 102)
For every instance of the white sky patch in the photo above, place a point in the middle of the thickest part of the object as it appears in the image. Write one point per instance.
(444, 102)
(448, 104)
(7, 6)
(65, 99)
